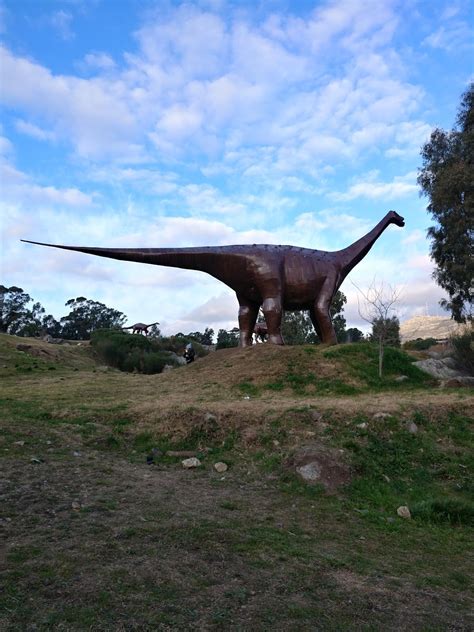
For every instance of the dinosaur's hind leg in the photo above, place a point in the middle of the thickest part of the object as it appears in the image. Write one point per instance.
(320, 313)
(272, 311)
(314, 320)
(248, 312)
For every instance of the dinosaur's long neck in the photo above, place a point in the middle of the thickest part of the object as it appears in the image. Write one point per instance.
(354, 253)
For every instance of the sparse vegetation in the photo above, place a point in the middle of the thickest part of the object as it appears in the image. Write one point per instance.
(420, 344)
(463, 346)
(256, 548)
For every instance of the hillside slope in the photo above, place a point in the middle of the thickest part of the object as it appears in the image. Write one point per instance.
(106, 530)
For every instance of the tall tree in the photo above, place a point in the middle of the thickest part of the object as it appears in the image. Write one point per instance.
(447, 179)
(17, 317)
(227, 339)
(205, 338)
(297, 328)
(354, 335)
(86, 316)
(13, 306)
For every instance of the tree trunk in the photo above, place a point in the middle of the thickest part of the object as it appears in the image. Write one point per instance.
(380, 356)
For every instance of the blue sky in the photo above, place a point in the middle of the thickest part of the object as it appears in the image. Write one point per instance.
(139, 123)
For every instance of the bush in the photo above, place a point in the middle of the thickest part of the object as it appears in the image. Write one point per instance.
(420, 344)
(177, 343)
(463, 347)
(128, 352)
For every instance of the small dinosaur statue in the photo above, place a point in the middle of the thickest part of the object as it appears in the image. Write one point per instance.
(261, 331)
(139, 328)
(272, 277)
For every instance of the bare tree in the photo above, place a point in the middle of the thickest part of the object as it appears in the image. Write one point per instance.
(379, 310)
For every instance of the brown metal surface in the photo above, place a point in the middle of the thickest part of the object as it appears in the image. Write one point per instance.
(275, 278)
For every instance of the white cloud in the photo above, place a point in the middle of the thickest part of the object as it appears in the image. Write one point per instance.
(19, 188)
(452, 36)
(371, 189)
(5, 146)
(61, 22)
(34, 131)
(100, 60)
(200, 85)
(93, 114)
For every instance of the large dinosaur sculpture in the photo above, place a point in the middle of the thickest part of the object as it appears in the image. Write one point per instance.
(140, 328)
(272, 277)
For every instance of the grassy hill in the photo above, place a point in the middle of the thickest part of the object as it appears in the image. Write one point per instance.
(99, 538)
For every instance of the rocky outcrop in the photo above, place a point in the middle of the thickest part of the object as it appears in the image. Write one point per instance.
(437, 368)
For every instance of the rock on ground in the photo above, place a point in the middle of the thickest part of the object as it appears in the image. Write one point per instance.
(220, 467)
(190, 463)
(436, 368)
(319, 464)
(403, 512)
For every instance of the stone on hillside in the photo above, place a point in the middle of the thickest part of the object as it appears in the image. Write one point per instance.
(381, 416)
(316, 415)
(450, 362)
(362, 426)
(210, 418)
(412, 427)
(319, 464)
(402, 378)
(221, 467)
(436, 368)
(310, 473)
(20, 443)
(167, 368)
(403, 512)
(190, 463)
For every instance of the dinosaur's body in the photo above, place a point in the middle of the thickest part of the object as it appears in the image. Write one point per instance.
(139, 328)
(272, 277)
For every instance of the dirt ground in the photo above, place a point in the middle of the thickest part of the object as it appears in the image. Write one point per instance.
(99, 536)
(98, 543)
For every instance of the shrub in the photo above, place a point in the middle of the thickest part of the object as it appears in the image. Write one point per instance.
(128, 352)
(420, 344)
(463, 347)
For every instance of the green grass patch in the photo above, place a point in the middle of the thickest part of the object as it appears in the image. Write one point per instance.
(361, 362)
(451, 510)
(248, 389)
(305, 382)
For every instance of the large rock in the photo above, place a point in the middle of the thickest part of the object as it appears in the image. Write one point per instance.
(317, 464)
(436, 368)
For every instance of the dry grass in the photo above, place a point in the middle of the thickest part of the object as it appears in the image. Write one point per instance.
(99, 540)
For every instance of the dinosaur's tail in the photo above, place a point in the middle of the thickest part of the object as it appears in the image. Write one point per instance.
(189, 258)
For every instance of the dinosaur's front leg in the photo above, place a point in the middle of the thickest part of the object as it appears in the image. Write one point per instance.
(248, 312)
(272, 310)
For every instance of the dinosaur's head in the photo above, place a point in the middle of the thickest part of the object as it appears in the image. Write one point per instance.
(395, 218)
